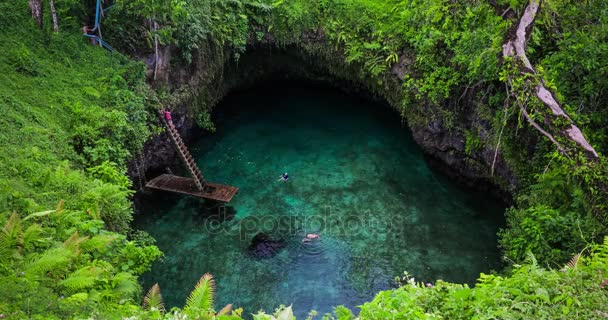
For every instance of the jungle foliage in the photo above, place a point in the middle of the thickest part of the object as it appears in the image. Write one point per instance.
(74, 115)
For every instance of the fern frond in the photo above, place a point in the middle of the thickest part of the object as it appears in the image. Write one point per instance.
(12, 235)
(60, 206)
(266, 8)
(81, 279)
(154, 299)
(11, 239)
(32, 237)
(125, 285)
(99, 242)
(74, 241)
(5, 251)
(572, 264)
(55, 259)
(11, 223)
(392, 58)
(225, 310)
(602, 250)
(375, 65)
(201, 298)
(530, 258)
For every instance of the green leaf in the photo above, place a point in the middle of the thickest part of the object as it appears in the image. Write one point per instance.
(201, 298)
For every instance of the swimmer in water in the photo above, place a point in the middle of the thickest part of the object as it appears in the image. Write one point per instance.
(310, 237)
(284, 177)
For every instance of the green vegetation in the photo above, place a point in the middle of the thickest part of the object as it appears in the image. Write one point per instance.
(576, 291)
(472, 142)
(74, 115)
(576, 59)
(452, 46)
(68, 109)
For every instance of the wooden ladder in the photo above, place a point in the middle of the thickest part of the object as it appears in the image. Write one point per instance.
(184, 154)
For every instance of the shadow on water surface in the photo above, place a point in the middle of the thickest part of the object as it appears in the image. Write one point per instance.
(356, 178)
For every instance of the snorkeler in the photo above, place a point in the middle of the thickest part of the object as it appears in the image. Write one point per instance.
(310, 237)
(284, 177)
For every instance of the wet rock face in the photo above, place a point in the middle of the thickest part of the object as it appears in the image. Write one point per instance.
(263, 246)
(158, 66)
(446, 150)
(159, 155)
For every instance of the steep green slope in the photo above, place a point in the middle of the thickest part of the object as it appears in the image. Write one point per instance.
(66, 106)
(68, 109)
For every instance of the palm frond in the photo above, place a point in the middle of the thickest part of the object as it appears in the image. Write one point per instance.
(154, 299)
(201, 298)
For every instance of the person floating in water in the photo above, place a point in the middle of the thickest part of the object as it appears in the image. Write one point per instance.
(311, 237)
(284, 177)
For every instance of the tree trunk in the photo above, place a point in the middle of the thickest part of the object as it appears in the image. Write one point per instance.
(155, 49)
(37, 11)
(54, 15)
(554, 118)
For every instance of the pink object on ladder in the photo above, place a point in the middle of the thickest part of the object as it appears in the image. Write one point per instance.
(167, 115)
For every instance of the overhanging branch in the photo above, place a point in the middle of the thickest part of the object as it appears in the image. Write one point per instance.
(515, 47)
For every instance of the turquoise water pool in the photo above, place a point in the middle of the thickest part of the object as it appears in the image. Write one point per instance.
(356, 178)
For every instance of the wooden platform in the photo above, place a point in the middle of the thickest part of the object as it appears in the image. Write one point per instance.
(212, 191)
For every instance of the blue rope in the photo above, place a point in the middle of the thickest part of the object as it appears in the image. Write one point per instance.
(97, 22)
(100, 41)
(97, 9)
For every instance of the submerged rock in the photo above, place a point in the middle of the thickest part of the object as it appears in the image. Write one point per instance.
(263, 246)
